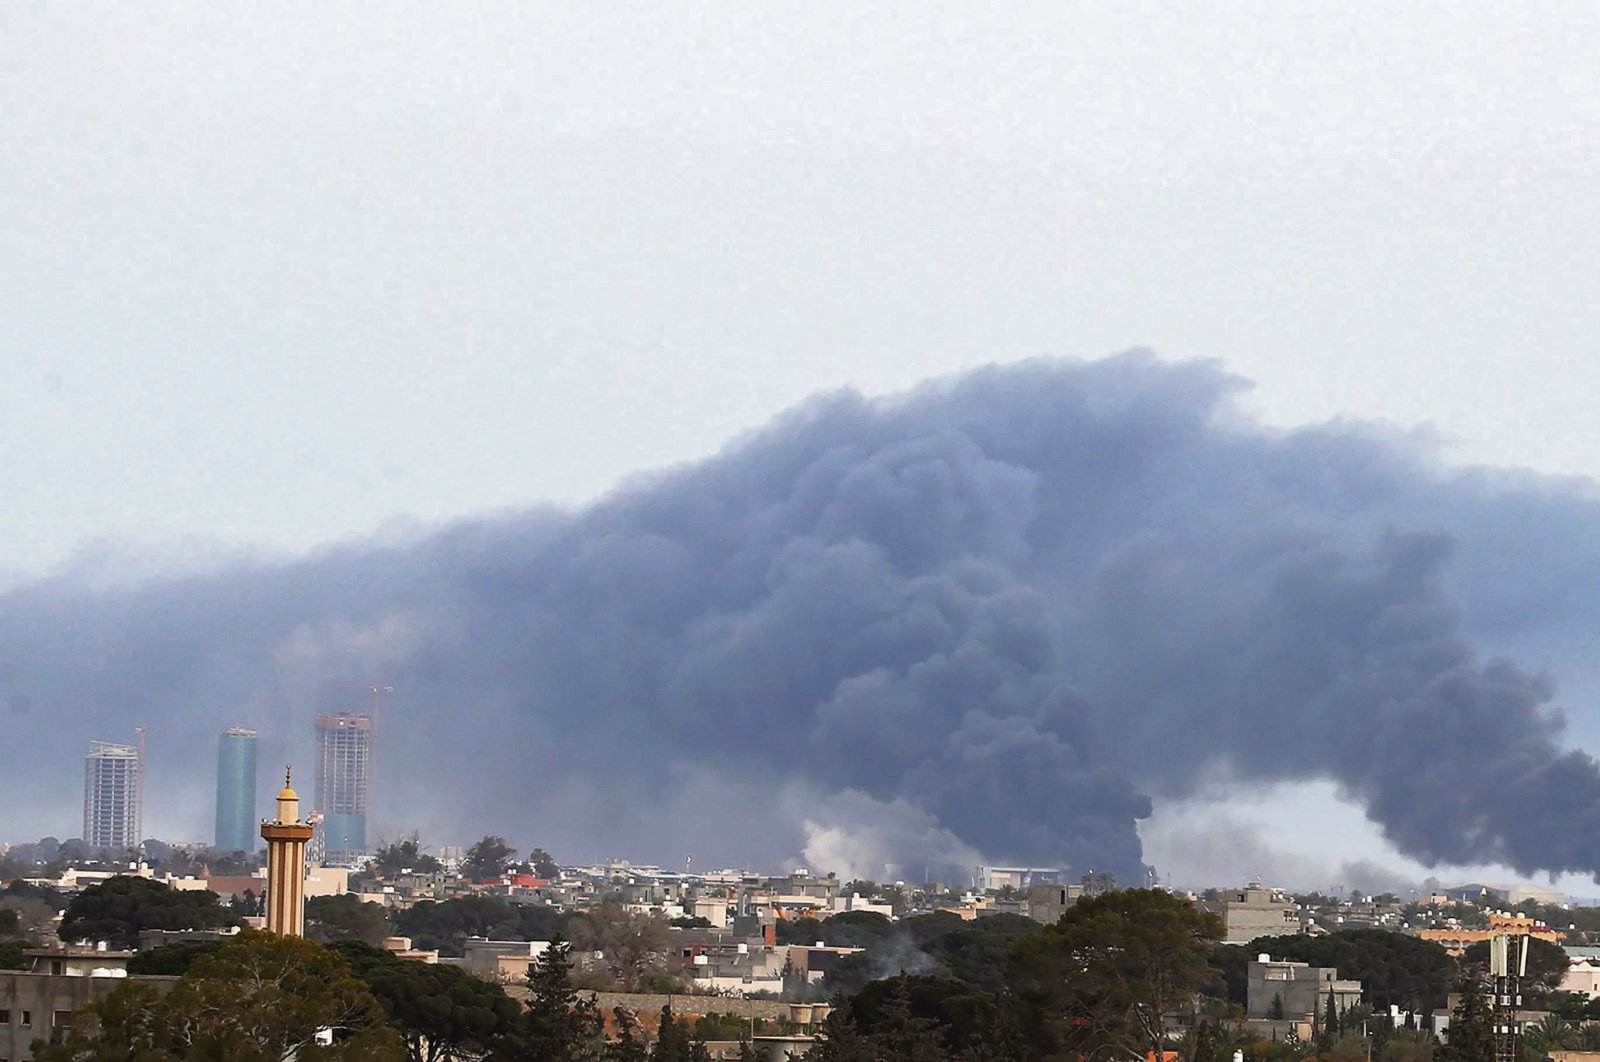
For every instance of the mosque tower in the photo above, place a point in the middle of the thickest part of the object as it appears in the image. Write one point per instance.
(286, 838)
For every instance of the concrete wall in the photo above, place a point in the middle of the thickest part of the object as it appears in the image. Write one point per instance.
(651, 1003)
(49, 1001)
(1303, 989)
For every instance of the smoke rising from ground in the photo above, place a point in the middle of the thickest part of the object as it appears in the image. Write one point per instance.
(994, 615)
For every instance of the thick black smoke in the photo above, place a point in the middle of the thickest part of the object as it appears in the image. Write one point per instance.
(993, 615)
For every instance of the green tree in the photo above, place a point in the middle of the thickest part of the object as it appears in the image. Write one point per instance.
(259, 998)
(1205, 1045)
(445, 926)
(12, 957)
(1394, 969)
(119, 908)
(799, 931)
(442, 1012)
(976, 952)
(544, 864)
(345, 917)
(627, 1047)
(1551, 1034)
(962, 1016)
(903, 1034)
(1275, 1008)
(403, 855)
(1104, 976)
(558, 1023)
(487, 858)
(673, 1043)
(635, 945)
(1470, 1037)
(172, 960)
(840, 1039)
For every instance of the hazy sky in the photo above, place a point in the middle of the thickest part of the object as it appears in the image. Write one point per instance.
(275, 277)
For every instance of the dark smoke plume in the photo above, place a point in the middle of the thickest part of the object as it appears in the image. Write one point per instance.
(993, 615)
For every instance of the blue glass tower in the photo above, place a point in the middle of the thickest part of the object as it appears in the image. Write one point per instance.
(237, 828)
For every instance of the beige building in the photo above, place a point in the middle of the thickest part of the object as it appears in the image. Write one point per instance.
(1047, 903)
(1457, 939)
(506, 962)
(1254, 911)
(1297, 990)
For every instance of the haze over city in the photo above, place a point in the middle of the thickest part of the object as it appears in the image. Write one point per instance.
(565, 372)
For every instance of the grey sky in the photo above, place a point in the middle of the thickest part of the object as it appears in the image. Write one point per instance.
(277, 277)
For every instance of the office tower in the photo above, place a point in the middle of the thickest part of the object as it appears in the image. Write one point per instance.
(286, 838)
(112, 814)
(344, 766)
(236, 791)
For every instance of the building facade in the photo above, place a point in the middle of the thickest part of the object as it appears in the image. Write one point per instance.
(236, 791)
(1296, 991)
(344, 779)
(1253, 912)
(40, 1003)
(112, 794)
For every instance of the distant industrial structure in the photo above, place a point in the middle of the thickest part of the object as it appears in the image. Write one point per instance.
(344, 779)
(236, 791)
(112, 795)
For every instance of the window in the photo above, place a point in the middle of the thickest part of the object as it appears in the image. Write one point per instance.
(57, 967)
(27, 1018)
(5, 1019)
(61, 1019)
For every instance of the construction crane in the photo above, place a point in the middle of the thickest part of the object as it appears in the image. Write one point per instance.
(138, 808)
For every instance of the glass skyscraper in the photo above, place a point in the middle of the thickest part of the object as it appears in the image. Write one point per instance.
(344, 774)
(111, 796)
(237, 827)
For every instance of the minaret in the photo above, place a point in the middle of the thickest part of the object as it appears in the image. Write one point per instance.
(286, 838)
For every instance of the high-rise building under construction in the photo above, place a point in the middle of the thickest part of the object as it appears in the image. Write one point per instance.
(112, 811)
(344, 778)
(237, 828)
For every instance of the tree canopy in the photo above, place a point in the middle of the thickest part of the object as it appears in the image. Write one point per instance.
(446, 925)
(558, 1023)
(345, 917)
(406, 854)
(258, 998)
(118, 909)
(1393, 968)
(487, 858)
(1105, 975)
(442, 1012)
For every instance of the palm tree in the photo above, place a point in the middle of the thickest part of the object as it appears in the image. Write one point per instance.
(1550, 1034)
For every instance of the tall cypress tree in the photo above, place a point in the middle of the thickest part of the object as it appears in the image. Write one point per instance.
(1205, 1045)
(1470, 1037)
(558, 1022)
(626, 1047)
